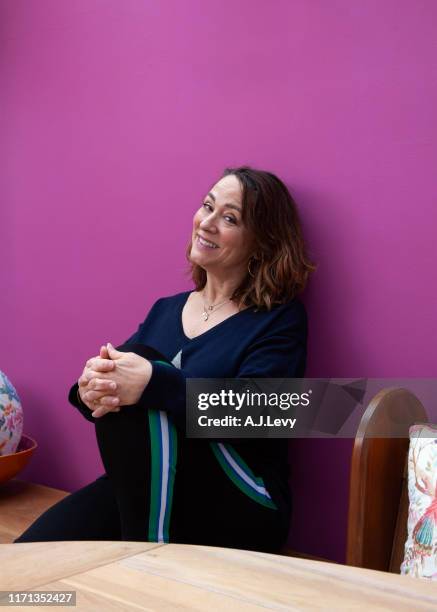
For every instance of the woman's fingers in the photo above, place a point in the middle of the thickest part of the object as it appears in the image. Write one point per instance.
(93, 396)
(95, 383)
(100, 365)
(100, 411)
(104, 405)
(102, 384)
(109, 400)
(93, 366)
(83, 381)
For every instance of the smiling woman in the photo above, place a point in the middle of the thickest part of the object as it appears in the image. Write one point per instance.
(243, 319)
(220, 241)
(253, 217)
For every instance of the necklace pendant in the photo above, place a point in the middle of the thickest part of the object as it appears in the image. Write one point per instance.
(210, 307)
(205, 315)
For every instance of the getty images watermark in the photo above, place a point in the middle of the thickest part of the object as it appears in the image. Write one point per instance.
(228, 399)
(290, 407)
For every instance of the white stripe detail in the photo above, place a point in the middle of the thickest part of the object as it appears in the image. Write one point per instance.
(164, 473)
(241, 473)
(176, 361)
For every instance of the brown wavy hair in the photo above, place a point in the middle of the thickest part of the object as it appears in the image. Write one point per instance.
(279, 267)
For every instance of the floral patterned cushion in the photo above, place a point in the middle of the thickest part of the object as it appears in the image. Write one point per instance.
(11, 417)
(420, 558)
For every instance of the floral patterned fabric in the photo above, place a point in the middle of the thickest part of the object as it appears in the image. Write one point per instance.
(11, 417)
(420, 560)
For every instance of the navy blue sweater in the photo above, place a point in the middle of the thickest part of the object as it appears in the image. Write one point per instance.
(249, 344)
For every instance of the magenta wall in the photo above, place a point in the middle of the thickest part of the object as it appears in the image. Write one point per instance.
(115, 118)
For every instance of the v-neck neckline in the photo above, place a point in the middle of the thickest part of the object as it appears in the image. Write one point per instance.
(207, 331)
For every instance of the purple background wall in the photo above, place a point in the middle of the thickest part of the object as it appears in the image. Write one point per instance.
(115, 118)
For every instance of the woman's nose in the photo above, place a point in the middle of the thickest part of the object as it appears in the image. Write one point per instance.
(208, 223)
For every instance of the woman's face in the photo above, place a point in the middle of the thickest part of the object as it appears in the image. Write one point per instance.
(220, 242)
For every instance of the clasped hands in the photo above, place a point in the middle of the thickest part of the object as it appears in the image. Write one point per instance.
(112, 380)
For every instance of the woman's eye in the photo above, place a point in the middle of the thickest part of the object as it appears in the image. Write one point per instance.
(228, 218)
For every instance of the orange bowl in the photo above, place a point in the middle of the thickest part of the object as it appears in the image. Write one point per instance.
(13, 463)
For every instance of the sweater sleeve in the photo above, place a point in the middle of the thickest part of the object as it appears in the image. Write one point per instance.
(280, 353)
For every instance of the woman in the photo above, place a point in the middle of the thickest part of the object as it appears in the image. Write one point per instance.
(243, 319)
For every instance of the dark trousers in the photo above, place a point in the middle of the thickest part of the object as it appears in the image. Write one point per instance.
(161, 487)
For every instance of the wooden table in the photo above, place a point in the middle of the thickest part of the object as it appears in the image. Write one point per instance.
(150, 576)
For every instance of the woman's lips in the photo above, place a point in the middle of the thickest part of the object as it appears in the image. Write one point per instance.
(205, 244)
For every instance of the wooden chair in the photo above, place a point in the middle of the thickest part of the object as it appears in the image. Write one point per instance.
(378, 496)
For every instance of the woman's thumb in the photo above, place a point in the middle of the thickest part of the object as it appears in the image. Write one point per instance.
(112, 352)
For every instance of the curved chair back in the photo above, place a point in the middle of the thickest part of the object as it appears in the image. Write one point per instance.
(378, 495)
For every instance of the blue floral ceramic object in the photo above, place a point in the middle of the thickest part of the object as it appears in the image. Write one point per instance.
(11, 417)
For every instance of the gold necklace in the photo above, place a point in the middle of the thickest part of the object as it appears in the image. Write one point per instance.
(205, 313)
